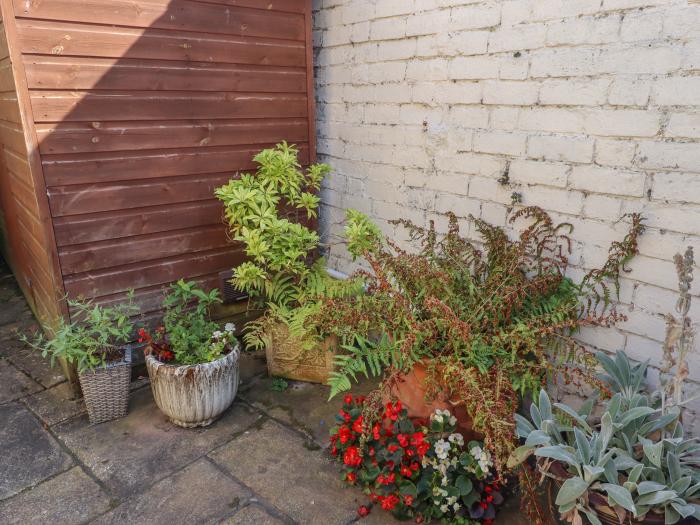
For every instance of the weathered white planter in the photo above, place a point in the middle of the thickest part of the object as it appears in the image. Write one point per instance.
(194, 395)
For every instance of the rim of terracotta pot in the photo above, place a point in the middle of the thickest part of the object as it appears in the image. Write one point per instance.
(236, 350)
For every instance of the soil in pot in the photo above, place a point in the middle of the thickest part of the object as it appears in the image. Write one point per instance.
(194, 395)
(286, 358)
(411, 390)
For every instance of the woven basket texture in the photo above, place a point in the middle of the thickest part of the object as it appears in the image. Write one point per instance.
(106, 390)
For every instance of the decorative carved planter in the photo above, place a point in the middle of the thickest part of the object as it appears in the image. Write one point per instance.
(286, 358)
(194, 395)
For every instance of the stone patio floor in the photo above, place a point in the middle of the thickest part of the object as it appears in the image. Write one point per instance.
(264, 462)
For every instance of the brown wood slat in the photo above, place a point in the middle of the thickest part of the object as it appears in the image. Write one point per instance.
(9, 108)
(12, 136)
(91, 198)
(176, 14)
(58, 38)
(55, 106)
(289, 6)
(122, 166)
(23, 193)
(17, 163)
(141, 275)
(95, 227)
(7, 81)
(79, 137)
(4, 49)
(158, 75)
(100, 255)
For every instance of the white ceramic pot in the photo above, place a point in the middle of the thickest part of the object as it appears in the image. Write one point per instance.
(194, 395)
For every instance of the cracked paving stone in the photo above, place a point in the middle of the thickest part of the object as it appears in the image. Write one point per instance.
(55, 404)
(302, 405)
(14, 384)
(252, 515)
(31, 362)
(29, 453)
(298, 479)
(130, 453)
(70, 497)
(200, 493)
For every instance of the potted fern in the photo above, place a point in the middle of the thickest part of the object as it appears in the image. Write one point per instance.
(473, 330)
(95, 344)
(283, 275)
(192, 362)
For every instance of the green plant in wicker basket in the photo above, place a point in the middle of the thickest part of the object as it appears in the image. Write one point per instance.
(282, 273)
(93, 338)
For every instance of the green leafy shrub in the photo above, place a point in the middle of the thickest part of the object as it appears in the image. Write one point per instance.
(283, 273)
(93, 338)
(491, 325)
(637, 458)
(188, 335)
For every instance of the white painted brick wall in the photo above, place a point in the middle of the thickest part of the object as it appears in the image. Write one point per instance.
(592, 106)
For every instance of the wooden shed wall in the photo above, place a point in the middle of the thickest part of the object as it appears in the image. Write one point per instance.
(141, 109)
(28, 244)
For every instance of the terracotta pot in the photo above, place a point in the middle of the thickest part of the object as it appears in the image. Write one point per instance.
(194, 395)
(605, 512)
(286, 358)
(411, 390)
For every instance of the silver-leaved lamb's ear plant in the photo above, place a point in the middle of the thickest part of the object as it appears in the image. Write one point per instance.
(635, 463)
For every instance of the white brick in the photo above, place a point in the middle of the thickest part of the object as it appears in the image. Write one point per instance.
(682, 22)
(553, 9)
(636, 60)
(469, 116)
(606, 180)
(551, 119)
(515, 38)
(609, 152)
(597, 206)
(564, 62)
(473, 67)
(513, 67)
(447, 92)
(686, 125)
(427, 23)
(622, 123)
(500, 142)
(387, 28)
(677, 187)
(460, 205)
(642, 26)
(515, 11)
(587, 30)
(474, 17)
(555, 199)
(396, 49)
(430, 69)
(504, 117)
(534, 172)
(387, 8)
(512, 93)
(627, 92)
(677, 91)
(572, 92)
(675, 156)
(560, 148)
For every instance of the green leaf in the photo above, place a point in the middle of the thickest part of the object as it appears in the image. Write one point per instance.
(571, 490)
(464, 484)
(559, 453)
(619, 496)
(647, 487)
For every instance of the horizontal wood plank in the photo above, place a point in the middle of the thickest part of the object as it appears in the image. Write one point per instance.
(59, 38)
(12, 136)
(158, 75)
(183, 15)
(151, 273)
(96, 227)
(97, 106)
(91, 198)
(288, 6)
(78, 137)
(9, 108)
(99, 255)
(86, 168)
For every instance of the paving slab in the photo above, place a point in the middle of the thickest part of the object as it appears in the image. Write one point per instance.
(200, 493)
(14, 384)
(29, 453)
(252, 365)
(290, 473)
(130, 453)
(253, 515)
(31, 362)
(55, 404)
(302, 405)
(69, 498)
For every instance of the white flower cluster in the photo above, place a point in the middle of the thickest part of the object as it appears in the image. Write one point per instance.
(483, 458)
(443, 416)
(219, 339)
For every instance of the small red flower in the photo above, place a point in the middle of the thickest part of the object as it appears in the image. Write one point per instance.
(376, 431)
(352, 457)
(408, 500)
(363, 511)
(393, 448)
(334, 450)
(390, 501)
(403, 440)
(351, 477)
(344, 434)
(415, 466)
(406, 471)
(347, 399)
(357, 425)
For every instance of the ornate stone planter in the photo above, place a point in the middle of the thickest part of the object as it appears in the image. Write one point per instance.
(194, 395)
(286, 358)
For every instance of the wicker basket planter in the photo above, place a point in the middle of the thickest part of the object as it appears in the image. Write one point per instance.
(106, 389)
(286, 358)
(194, 395)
